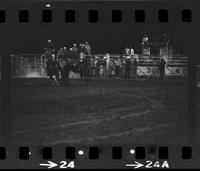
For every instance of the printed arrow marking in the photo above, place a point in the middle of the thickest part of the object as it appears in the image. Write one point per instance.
(136, 165)
(50, 164)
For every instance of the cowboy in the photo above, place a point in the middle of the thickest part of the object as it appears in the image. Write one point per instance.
(53, 69)
(88, 48)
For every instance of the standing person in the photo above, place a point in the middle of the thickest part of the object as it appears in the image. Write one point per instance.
(126, 50)
(104, 64)
(75, 49)
(162, 68)
(97, 68)
(132, 51)
(130, 47)
(117, 67)
(135, 64)
(111, 67)
(65, 53)
(92, 67)
(107, 64)
(127, 67)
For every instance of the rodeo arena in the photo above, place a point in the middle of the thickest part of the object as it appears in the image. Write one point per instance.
(71, 63)
(73, 96)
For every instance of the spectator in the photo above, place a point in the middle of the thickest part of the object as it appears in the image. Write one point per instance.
(104, 65)
(126, 50)
(135, 64)
(75, 49)
(127, 67)
(92, 67)
(111, 67)
(117, 67)
(132, 51)
(162, 68)
(97, 68)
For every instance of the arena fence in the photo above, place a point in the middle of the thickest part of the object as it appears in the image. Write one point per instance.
(28, 65)
(33, 65)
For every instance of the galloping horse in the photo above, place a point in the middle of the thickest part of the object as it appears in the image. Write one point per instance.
(53, 69)
(84, 69)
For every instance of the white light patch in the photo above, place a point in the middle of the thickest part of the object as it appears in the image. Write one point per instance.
(32, 74)
(80, 152)
(48, 5)
(132, 151)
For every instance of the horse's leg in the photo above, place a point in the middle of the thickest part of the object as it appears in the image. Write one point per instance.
(56, 80)
(52, 79)
(62, 77)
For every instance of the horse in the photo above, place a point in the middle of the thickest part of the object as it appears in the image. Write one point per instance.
(84, 69)
(85, 72)
(53, 68)
(65, 70)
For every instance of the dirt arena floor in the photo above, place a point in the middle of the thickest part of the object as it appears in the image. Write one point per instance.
(107, 112)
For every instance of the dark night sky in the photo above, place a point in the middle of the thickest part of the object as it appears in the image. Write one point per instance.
(102, 41)
(103, 37)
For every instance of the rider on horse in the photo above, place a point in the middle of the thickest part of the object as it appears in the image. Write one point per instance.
(53, 69)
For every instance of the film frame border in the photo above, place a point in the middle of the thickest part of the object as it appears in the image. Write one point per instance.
(193, 51)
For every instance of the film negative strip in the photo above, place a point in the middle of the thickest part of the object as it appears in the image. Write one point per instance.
(99, 84)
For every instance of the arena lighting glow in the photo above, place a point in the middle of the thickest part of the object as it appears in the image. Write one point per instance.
(32, 74)
(48, 5)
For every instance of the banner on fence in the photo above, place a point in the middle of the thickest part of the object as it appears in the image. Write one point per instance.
(148, 71)
(173, 70)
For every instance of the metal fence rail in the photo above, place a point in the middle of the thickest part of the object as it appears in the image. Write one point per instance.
(28, 65)
(34, 65)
